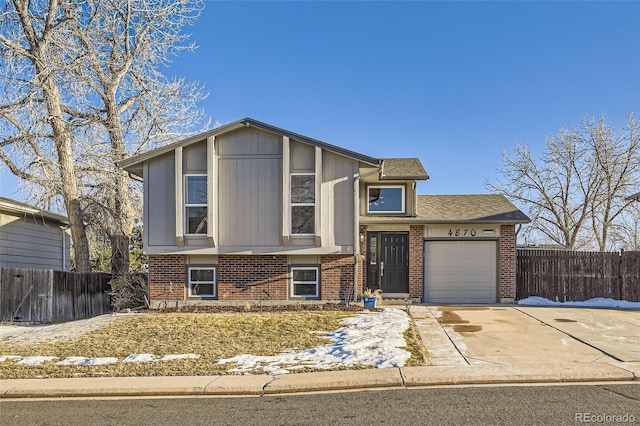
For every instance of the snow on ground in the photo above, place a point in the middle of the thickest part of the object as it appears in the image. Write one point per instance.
(372, 338)
(78, 360)
(599, 302)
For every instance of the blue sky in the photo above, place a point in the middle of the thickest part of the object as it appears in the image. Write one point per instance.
(454, 83)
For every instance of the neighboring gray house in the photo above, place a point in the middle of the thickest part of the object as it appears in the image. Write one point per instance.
(250, 211)
(31, 238)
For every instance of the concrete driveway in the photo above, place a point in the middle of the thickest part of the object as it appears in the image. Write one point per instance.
(513, 334)
(614, 332)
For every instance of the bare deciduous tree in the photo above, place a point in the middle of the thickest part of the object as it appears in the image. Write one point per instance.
(617, 161)
(116, 101)
(37, 138)
(582, 178)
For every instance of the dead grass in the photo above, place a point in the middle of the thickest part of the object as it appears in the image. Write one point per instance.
(212, 336)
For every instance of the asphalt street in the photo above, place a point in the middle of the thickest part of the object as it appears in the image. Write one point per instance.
(557, 405)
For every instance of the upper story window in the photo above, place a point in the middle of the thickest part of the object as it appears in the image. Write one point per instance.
(195, 204)
(303, 204)
(385, 199)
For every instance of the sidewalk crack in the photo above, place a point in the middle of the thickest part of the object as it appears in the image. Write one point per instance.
(404, 385)
(204, 390)
(266, 385)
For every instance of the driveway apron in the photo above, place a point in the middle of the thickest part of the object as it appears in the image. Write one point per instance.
(614, 332)
(504, 335)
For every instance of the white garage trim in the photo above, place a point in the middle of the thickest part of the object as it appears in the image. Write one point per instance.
(460, 271)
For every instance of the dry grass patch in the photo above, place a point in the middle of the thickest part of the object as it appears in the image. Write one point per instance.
(212, 336)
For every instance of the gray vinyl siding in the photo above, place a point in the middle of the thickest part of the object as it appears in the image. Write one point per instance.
(337, 199)
(302, 157)
(249, 189)
(32, 242)
(159, 201)
(249, 205)
(194, 158)
(249, 142)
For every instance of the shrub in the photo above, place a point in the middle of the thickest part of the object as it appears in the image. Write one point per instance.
(129, 291)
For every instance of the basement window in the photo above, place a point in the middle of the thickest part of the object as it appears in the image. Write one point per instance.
(305, 281)
(202, 281)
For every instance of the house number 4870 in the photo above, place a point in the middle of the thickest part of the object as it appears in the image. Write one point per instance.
(462, 232)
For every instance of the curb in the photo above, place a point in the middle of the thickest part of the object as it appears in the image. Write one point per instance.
(404, 377)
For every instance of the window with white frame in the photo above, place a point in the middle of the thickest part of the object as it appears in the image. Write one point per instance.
(195, 204)
(303, 203)
(305, 281)
(202, 281)
(385, 199)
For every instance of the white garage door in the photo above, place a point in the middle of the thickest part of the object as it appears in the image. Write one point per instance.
(460, 271)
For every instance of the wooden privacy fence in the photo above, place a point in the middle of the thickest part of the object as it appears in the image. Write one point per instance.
(576, 276)
(45, 295)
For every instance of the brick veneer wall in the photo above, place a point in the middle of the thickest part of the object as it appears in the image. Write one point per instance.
(416, 261)
(507, 262)
(336, 274)
(252, 277)
(167, 277)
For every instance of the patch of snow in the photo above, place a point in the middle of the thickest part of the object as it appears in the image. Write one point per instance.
(8, 357)
(72, 360)
(599, 302)
(102, 361)
(372, 338)
(78, 360)
(141, 358)
(171, 357)
(36, 360)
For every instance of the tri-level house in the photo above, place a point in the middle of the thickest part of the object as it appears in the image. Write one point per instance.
(249, 211)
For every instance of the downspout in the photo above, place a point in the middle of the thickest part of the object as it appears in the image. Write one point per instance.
(356, 234)
(63, 230)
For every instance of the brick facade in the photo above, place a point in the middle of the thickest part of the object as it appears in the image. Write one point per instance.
(167, 277)
(252, 277)
(507, 259)
(336, 274)
(416, 261)
(267, 277)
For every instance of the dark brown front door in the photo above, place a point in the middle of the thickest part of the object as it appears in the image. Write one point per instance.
(388, 261)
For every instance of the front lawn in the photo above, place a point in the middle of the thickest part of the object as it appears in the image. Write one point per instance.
(211, 336)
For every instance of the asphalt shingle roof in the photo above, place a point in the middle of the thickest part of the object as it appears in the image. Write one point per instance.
(402, 168)
(469, 208)
(476, 208)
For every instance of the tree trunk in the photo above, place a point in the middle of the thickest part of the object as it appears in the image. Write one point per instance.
(62, 136)
(121, 200)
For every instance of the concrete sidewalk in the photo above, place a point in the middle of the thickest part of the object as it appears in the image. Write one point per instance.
(405, 377)
(458, 358)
